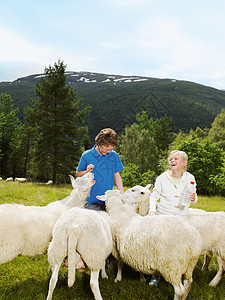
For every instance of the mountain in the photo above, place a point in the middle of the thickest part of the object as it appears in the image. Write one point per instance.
(116, 99)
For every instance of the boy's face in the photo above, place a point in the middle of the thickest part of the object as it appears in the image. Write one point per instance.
(105, 149)
(176, 163)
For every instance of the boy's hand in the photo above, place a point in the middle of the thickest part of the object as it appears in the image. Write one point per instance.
(90, 168)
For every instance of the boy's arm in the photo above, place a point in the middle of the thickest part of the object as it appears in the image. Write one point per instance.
(119, 182)
(82, 173)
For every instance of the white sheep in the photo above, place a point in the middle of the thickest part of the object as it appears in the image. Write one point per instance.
(80, 233)
(21, 180)
(9, 179)
(49, 182)
(195, 210)
(137, 196)
(27, 230)
(0, 178)
(211, 226)
(165, 244)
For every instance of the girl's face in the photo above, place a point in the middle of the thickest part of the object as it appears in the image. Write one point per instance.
(176, 163)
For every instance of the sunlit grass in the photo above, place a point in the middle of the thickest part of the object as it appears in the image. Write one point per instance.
(32, 193)
(212, 203)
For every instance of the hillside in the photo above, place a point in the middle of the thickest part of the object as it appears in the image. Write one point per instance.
(116, 100)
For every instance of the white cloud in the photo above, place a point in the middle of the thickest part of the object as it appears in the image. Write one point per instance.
(16, 48)
(131, 3)
(32, 58)
(177, 54)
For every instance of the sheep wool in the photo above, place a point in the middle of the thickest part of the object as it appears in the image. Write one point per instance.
(165, 244)
(80, 231)
(20, 180)
(27, 230)
(211, 228)
(210, 225)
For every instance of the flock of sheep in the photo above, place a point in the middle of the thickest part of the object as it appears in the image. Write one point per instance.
(169, 245)
(22, 180)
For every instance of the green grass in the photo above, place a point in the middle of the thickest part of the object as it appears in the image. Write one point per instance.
(28, 277)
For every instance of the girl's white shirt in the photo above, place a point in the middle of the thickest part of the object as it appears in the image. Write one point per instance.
(169, 194)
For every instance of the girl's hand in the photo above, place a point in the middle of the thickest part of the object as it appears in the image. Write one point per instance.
(152, 213)
(192, 197)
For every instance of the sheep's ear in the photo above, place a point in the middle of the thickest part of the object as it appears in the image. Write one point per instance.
(72, 181)
(92, 182)
(149, 186)
(112, 192)
(102, 198)
(71, 178)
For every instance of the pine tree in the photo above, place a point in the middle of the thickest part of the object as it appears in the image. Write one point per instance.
(217, 132)
(57, 119)
(10, 131)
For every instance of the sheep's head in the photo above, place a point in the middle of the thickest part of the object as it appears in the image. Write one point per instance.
(138, 196)
(112, 199)
(84, 182)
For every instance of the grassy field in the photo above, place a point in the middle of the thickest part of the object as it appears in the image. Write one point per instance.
(28, 277)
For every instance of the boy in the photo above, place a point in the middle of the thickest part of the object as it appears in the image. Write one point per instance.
(105, 163)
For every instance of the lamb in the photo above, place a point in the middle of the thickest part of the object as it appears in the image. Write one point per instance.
(9, 179)
(27, 230)
(49, 182)
(211, 228)
(138, 196)
(195, 210)
(165, 244)
(80, 233)
(21, 180)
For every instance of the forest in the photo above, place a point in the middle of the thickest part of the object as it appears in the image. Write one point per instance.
(49, 141)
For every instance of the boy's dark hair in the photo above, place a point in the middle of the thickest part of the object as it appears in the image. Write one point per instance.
(107, 137)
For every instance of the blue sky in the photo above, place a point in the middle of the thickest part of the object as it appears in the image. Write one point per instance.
(183, 40)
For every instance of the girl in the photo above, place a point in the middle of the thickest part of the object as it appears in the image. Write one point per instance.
(171, 189)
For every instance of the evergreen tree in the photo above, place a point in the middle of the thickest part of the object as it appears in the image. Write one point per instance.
(217, 132)
(138, 147)
(10, 133)
(205, 160)
(58, 117)
(28, 143)
(160, 129)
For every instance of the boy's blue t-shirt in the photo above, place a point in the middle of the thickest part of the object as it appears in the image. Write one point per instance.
(104, 168)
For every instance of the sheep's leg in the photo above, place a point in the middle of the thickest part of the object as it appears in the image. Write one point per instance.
(53, 280)
(187, 286)
(220, 272)
(95, 285)
(103, 272)
(206, 263)
(73, 257)
(119, 272)
(179, 291)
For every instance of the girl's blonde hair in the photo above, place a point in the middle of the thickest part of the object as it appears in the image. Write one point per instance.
(183, 156)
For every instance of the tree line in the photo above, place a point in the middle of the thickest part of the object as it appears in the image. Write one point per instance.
(49, 143)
